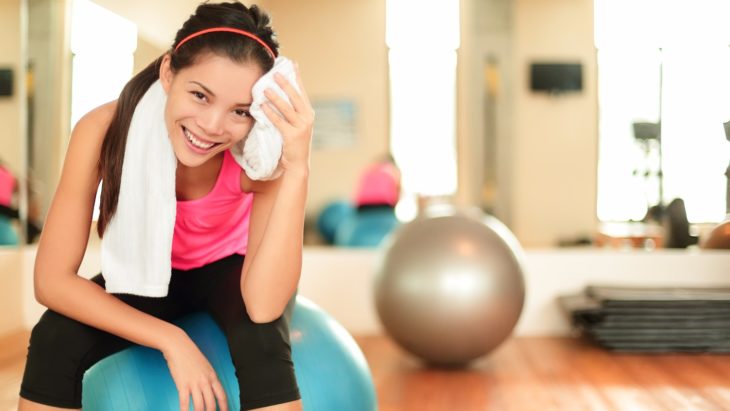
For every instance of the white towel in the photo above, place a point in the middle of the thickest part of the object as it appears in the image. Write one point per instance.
(136, 249)
(259, 154)
(137, 243)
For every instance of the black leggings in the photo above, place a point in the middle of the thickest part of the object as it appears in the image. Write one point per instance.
(62, 349)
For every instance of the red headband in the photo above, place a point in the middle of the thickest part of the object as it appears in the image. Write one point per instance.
(228, 29)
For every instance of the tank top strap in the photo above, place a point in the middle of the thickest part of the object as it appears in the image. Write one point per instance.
(231, 173)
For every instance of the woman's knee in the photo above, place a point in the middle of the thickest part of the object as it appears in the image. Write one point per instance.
(261, 354)
(57, 338)
(60, 350)
(249, 341)
(54, 331)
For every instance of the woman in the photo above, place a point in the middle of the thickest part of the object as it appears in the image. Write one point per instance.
(222, 215)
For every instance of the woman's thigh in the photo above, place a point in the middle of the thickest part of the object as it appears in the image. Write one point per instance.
(61, 349)
(261, 352)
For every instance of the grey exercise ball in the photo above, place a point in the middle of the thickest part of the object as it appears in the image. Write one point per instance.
(450, 287)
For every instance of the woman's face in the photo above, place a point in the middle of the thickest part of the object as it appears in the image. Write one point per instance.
(208, 105)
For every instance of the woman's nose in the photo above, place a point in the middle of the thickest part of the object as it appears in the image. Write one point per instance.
(211, 122)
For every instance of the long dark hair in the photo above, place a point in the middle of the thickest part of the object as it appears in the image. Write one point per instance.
(236, 47)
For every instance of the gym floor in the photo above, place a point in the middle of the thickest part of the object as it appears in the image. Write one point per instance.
(523, 374)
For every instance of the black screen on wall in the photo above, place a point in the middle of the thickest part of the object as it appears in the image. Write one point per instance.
(6, 82)
(556, 77)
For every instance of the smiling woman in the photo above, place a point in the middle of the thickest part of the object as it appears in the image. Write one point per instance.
(207, 113)
(180, 116)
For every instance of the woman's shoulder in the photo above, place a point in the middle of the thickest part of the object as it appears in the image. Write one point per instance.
(92, 126)
(99, 116)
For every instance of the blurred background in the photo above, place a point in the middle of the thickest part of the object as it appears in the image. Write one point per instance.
(559, 118)
(595, 130)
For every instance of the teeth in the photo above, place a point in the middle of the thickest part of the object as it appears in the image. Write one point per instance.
(196, 142)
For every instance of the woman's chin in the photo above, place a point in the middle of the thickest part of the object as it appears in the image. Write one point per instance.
(188, 159)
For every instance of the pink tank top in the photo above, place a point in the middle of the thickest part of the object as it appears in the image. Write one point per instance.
(215, 226)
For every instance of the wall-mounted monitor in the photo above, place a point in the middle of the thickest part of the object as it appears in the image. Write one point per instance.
(556, 77)
(6, 82)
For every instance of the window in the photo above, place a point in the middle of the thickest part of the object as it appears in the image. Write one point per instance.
(664, 63)
(102, 44)
(422, 60)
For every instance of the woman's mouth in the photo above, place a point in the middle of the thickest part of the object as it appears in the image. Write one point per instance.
(196, 143)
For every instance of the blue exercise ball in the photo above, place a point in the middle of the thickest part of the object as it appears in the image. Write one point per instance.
(332, 215)
(331, 370)
(8, 236)
(367, 227)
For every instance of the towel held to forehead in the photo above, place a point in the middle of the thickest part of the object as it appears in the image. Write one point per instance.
(260, 154)
(137, 244)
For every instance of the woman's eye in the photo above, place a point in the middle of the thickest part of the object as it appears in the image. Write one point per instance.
(198, 95)
(242, 113)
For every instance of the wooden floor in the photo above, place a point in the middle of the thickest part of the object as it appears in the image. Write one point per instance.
(523, 374)
(551, 374)
(12, 360)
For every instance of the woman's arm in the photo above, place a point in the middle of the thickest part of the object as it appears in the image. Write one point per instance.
(274, 257)
(58, 286)
(63, 244)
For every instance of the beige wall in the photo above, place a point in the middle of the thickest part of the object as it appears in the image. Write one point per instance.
(146, 53)
(11, 138)
(547, 146)
(340, 48)
(11, 318)
(485, 111)
(555, 138)
(544, 148)
(11, 292)
(548, 274)
(11, 152)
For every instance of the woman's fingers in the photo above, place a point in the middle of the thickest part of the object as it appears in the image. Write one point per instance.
(298, 98)
(205, 398)
(300, 83)
(286, 109)
(198, 404)
(220, 395)
(276, 119)
(298, 109)
(184, 397)
(208, 397)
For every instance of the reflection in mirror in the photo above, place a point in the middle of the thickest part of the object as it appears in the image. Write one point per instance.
(71, 69)
(335, 170)
(47, 124)
(8, 208)
(11, 92)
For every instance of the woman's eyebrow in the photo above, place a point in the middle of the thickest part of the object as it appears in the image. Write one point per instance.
(207, 90)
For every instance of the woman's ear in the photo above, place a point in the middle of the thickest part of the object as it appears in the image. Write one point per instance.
(166, 73)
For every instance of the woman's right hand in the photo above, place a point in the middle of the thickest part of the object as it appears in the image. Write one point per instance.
(194, 376)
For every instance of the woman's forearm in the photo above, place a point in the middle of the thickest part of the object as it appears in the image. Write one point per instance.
(273, 275)
(87, 302)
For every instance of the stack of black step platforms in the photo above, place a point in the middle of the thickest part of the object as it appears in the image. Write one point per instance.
(653, 319)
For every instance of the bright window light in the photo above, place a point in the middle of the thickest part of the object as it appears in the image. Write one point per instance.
(423, 120)
(103, 45)
(412, 24)
(423, 38)
(624, 191)
(651, 70)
